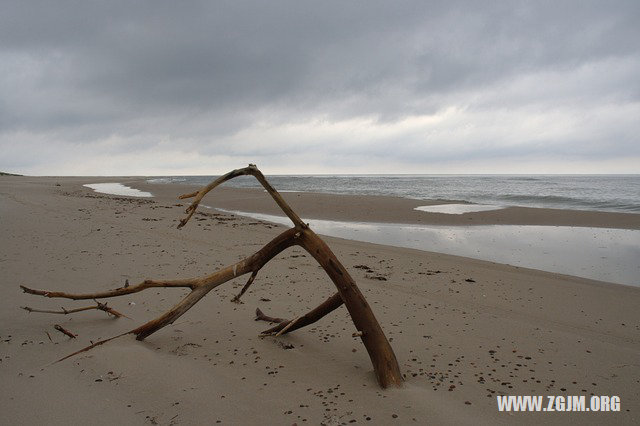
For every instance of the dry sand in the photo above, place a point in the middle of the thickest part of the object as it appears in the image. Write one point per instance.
(463, 330)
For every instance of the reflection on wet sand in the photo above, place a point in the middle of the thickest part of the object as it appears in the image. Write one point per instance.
(597, 253)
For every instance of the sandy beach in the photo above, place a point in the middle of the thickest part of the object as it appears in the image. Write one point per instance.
(464, 331)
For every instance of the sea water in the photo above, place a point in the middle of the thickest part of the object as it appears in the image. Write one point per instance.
(117, 189)
(616, 193)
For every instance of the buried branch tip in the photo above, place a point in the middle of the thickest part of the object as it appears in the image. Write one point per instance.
(33, 291)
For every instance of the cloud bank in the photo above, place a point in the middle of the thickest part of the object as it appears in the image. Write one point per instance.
(161, 87)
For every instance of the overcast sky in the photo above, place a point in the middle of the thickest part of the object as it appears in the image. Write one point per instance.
(186, 87)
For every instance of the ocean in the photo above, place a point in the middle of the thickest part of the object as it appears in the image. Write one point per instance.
(614, 193)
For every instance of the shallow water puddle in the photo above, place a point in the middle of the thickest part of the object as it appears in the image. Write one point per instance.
(117, 189)
(457, 208)
(597, 253)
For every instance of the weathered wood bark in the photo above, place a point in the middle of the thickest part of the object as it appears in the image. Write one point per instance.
(380, 352)
(382, 356)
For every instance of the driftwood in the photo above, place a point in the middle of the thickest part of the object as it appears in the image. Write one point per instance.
(99, 306)
(380, 352)
(63, 330)
(260, 316)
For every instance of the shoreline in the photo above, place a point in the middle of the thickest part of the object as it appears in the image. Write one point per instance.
(368, 208)
(333, 215)
(387, 209)
(544, 248)
(532, 243)
(487, 329)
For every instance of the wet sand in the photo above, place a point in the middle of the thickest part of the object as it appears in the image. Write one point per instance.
(463, 330)
(604, 254)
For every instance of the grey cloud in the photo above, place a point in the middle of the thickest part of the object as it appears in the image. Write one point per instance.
(202, 71)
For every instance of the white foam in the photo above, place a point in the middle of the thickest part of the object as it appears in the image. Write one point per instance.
(457, 208)
(117, 189)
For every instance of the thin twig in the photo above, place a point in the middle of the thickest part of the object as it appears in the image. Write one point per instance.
(62, 312)
(288, 326)
(99, 306)
(110, 311)
(246, 286)
(93, 345)
(65, 331)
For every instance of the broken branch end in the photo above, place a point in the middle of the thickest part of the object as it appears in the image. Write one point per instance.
(189, 195)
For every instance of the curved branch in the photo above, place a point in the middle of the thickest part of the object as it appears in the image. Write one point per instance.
(251, 170)
(200, 286)
(252, 264)
(171, 315)
(385, 364)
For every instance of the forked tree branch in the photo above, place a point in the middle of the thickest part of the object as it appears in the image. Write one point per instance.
(380, 352)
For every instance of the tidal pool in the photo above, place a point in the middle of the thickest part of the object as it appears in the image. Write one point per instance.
(597, 253)
(117, 189)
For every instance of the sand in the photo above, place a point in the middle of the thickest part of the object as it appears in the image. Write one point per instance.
(393, 209)
(463, 330)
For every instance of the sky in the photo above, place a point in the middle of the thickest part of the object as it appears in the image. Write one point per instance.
(297, 87)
